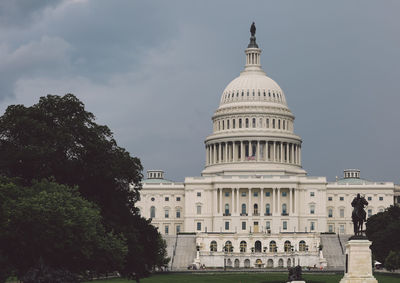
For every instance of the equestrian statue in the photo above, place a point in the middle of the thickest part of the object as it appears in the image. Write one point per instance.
(358, 216)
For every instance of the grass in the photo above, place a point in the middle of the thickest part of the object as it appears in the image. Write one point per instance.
(272, 277)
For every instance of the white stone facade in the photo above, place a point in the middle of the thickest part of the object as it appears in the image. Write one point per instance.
(253, 187)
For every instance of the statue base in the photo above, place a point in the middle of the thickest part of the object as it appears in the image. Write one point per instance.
(358, 265)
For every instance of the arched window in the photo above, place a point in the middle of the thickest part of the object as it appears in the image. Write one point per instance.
(273, 123)
(247, 122)
(233, 124)
(152, 212)
(255, 209)
(302, 246)
(228, 246)
(213, 246)
(280, 263)
(243, 246)
(227, 124)
(237, 263)
(240, 123)
(284, 209)
(287, 246)
(226, 209)
(223, 124)
(279, 124)
(247, 263)
(268, 209)
(254, 122)
(244, 209)
(272, 247)
(270, 263)
(267, 123)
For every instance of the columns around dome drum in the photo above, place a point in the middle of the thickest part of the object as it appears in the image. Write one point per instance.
(253, 151)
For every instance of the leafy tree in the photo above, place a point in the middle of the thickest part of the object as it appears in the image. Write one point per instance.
(392, 261)
(383, 229)
(147, 249)
(57, 137)
(52, 225)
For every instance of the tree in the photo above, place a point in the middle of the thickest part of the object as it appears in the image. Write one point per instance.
(51, 225)
(57, 137)
(392, 261)
(383, 229)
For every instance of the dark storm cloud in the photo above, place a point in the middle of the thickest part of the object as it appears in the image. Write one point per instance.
(154, 72)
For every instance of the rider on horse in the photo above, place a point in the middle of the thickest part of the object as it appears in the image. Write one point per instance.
(358, 215)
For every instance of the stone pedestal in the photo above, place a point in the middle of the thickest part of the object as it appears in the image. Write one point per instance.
(358, 265)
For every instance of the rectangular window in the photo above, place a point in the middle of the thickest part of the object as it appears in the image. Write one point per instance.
(178, 214)
(243, 194)
(267, 194)
(255, 194)
(329, 198)
(312, 226)
(199, 194)
(341, 229)
(178, 198)
(166, 229)
(341, 211)
(330, 212)
(198, 226)
(178, 229)
(166, 198)
(284, 194)
(312, 209)
(369, 212)
(227, 194)
(284, 224)
(226, 225)
(268, 225)
(199, 209)
(380, 198)
(243, 225)
(312, 194)
(330, 228)
(166, 213)
(369, 198)
(341, 198)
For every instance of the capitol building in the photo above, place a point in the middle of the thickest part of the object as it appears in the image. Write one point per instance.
(254, 205)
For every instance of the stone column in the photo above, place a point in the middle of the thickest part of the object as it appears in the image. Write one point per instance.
(281, 152)
(274, 151)
(273, 208)
(292, 154)
(287, 152)
(226, 153)
(249, 209)
(215, 202)
(214, 153)
(250, 149)
(262, 208)
(237, 200)
(220, 202)
(232, 202)
(258, 151)
(279, 201)
(299, 155)
(219, 152)
(290, 201)
(241, 151)
(233, 151)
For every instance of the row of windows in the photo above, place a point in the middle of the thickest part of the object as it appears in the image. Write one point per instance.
(167, 199)
(239, 123)
(258, 247)
(342, 198)
(166, 212)
(341, 212)
(255, 209)
(166, 229)
(262, 94)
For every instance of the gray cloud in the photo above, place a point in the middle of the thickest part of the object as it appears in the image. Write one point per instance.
(154, 72)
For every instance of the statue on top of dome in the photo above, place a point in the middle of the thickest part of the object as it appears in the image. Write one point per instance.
(253, 29)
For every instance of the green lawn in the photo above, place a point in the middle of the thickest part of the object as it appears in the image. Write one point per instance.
(246, 278)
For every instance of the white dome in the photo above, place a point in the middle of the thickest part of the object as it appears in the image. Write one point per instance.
(253, 86)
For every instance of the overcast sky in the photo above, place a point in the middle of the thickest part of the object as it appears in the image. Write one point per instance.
(154, 71)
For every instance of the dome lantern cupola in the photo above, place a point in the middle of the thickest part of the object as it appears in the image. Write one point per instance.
(253, 52)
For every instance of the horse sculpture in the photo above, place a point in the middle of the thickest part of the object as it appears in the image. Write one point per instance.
(358, 215)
